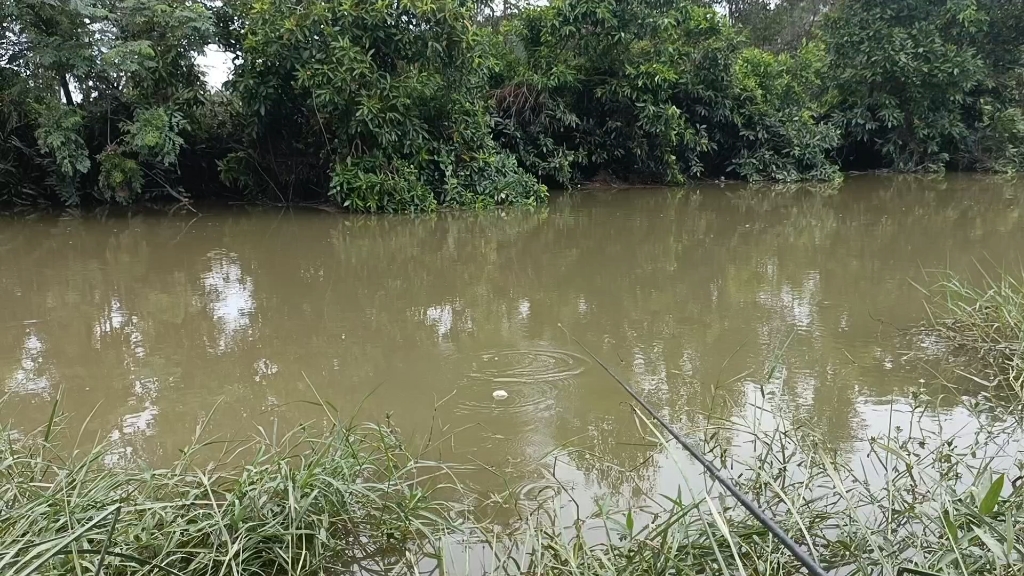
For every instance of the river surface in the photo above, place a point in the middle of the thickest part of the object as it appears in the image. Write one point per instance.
(702, 298)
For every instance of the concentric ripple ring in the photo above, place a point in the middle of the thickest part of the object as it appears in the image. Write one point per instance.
(532, 378)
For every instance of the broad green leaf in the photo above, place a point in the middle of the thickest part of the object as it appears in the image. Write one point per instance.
(991, 498)
(991, 543)
(950, 526)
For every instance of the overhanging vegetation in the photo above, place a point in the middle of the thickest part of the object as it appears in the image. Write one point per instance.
(416, 104)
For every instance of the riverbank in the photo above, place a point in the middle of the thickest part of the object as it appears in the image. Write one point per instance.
(299, 503)
(354, 498)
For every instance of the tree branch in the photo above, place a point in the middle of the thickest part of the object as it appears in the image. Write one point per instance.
(66, 88)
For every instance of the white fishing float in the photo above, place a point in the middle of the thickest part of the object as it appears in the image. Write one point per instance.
(500, 395)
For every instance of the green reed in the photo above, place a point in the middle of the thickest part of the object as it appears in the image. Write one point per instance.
(918, 502)
(983, 321)
(305, 502)
(352, 499)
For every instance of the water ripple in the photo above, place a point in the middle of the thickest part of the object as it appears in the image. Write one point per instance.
(531, 377)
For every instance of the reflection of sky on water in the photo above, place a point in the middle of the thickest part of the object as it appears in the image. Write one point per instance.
(142, 421)
(229, 298)
(264, 369)
(441, 318)
(524, 309)
(122, 438)
(31, 376)
(116, 320)
(796, 304)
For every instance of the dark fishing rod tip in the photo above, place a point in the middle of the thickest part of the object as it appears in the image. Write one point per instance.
(799, 554)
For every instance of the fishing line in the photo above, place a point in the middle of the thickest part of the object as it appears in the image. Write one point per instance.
(799, 553)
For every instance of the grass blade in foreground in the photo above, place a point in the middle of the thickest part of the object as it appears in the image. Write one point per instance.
(310, 503)
(809, 564)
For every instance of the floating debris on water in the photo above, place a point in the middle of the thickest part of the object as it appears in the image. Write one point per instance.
(500, 395)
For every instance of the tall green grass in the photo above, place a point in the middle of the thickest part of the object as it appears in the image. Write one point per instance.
(339, 500)
(983, 321)
(925, 500)
(919, 502)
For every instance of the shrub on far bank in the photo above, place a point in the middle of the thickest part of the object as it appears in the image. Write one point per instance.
(926, 84)
(654, 92)
(379, 107)
(783, 135)
(98, 97)
(421, 104)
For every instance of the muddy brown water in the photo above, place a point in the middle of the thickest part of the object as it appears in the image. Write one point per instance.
(149, 320)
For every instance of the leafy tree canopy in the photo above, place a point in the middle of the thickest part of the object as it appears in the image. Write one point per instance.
(417, 104)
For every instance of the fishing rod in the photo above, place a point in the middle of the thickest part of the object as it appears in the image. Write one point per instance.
(801, 556)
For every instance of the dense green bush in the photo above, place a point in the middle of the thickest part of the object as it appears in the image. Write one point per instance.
(917, 84)
(418, 104)
(653, 91)
(781, 134)
(378, 106)
(98, 95)
(627, 89)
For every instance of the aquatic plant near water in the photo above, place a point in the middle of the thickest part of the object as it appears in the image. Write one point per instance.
(352, 499)
(920, 502)
(983, 322)
(348, 498)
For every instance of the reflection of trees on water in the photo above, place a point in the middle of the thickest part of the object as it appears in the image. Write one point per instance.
(683, 292)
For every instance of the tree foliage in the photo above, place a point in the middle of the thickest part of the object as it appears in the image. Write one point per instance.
(777, 25)
(418, 104)
(655, 91)
(379, 106)
(99, 92)
(920, 83)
